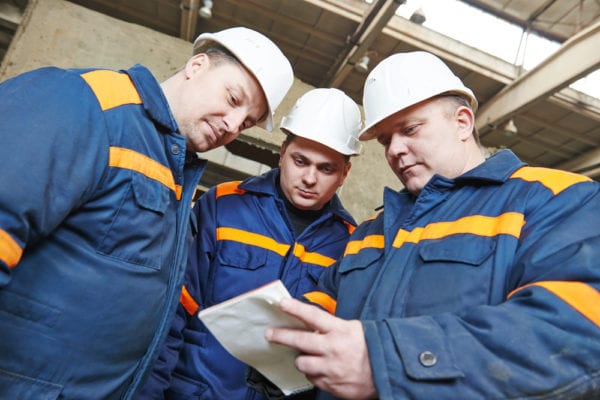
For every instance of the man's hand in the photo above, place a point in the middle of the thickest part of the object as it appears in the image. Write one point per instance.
(334, 356)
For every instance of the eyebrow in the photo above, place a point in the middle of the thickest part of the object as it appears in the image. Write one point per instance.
(334, 164)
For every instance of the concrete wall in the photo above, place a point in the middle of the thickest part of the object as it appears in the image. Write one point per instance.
(59, 33)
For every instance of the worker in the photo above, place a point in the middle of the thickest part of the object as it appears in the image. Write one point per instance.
(478, 280)
(98, 172)
(287, 224)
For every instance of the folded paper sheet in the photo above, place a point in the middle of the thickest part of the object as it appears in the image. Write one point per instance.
(239, 324)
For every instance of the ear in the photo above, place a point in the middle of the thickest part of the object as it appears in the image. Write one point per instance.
(347, 167)
(196, 64)
(465, 120)
(282, 152)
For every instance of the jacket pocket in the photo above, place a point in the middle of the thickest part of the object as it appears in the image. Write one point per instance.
(458, 250)
(457, 269)
(360, 261)
(240, 267)
(16, 386)
(138, 230)
(241, 256)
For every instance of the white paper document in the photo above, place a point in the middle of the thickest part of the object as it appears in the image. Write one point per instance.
(239, 324)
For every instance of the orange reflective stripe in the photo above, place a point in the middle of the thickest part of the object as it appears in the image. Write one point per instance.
(553, 179)
(371, 241)
(313, 258)
(188, 302)
(350, 227)
(227, 188)
(582, 297)
(322, 299)
(10, 251)
(128, 159)
(505, 224)
(112, 89)
(253, 239)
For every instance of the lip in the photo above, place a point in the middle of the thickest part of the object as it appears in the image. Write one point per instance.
(306, 193)
(406, 168)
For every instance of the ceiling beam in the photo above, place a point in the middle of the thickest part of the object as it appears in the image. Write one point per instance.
(10, 16)
(574, 59)
(361, 40)
(450, 50)
(560, 130)
(189, 18)
(586, 164)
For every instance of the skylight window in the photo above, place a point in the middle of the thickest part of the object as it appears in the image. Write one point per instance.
(495, 36)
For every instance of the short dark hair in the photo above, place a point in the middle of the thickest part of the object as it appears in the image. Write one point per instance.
(217, 53)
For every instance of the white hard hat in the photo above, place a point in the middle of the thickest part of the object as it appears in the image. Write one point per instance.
(261, 57)
(403, 80)
(327, 116)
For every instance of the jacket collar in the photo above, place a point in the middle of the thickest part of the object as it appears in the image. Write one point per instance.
(495, 170)
(498, 168)
(153, 99)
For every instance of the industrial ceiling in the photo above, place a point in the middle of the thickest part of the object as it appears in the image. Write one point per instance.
(556, 126)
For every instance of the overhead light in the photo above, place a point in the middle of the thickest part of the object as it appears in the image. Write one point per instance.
(206, 10)
(509, 128)
(362, 65)
(418, 17)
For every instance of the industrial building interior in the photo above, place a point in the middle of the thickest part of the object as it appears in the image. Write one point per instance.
(334, 43)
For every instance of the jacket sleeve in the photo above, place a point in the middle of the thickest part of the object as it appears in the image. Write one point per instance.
(542, 341)
(53, 152)
(179, 339)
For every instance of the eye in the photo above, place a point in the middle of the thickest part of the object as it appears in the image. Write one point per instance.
(299, 161)
(384, 140)
(248, 124)
(410, 130)
(233, 100)
(327, 169)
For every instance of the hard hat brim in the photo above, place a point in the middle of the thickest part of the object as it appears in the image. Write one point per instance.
(369, 131)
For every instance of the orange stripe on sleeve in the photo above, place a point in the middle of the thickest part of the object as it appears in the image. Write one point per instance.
(554, 179)
(112, 89)
(505, 224)
(120, 157)
(227, 188)
(253, 239)
(313, 258)
(322, 299)
(582, 297)
(188, 302)
(10, 251)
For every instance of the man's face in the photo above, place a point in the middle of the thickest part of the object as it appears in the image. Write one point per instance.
(311, 173)
(217, 102)
(428, 138)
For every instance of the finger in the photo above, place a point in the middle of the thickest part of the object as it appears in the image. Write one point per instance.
(304, 341)
(313, 366)
(312, 316)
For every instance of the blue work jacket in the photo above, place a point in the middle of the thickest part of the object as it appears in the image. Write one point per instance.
(485, 286)
(244, 240)
(95, 195)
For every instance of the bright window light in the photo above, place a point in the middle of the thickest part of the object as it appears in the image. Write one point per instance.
(490, 34)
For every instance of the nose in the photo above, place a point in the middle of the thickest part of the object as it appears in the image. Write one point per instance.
(234, 120)
(310, 176)
(397, 146)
